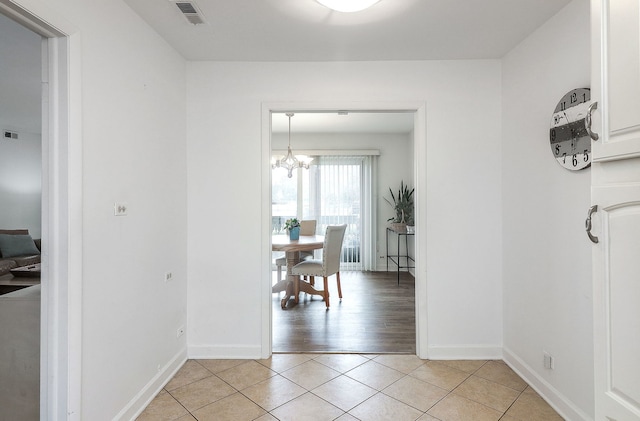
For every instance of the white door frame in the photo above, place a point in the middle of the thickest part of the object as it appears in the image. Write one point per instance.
(420, 184)
(60, 333)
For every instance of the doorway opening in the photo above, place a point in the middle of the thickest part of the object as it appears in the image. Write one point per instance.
(20, 219)
(328, 142)
(61, 257)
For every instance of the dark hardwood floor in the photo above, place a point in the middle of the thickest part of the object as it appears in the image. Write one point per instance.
(376, 316)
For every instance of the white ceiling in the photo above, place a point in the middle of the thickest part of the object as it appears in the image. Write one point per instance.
(304, 30)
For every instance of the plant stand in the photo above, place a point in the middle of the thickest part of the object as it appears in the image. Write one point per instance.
(397, 259)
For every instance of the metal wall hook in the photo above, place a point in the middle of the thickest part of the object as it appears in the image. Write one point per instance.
(587, 121)
(587, 224)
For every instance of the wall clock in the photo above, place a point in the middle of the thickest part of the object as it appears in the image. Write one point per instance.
(570, 142)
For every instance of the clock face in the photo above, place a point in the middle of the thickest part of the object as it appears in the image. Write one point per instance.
(570, 142)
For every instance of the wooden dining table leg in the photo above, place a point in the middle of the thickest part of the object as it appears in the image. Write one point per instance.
(293, 285)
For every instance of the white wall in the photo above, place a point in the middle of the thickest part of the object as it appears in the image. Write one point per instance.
(21, 159)
(463, 186)
(133, 151)
(395, 163)
(547, 258)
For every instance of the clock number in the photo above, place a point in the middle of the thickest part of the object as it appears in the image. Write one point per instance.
(569, 140)
(574, 97)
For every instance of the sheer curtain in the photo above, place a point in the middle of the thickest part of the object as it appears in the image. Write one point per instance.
(368, 211)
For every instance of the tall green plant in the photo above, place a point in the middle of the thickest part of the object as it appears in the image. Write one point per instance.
(402, 204)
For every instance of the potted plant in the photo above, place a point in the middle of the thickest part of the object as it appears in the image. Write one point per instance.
(403, 206)
(293, 227)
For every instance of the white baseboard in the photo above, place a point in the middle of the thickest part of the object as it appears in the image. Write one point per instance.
(225, 352)
(136, 405)
(557, 400)
(465, 352)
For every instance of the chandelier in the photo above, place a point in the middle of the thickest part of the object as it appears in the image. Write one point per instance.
(291, 162)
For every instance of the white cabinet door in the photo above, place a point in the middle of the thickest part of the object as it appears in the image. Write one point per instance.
(616, 78)
(617, 303)
(615, 180)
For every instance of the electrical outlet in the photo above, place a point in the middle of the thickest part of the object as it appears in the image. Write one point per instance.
(548, 360)
(168, 276)
(180, 331)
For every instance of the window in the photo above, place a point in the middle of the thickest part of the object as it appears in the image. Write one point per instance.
(335, 190)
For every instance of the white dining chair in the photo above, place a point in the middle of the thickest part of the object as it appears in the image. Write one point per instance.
(307, 227)
(330, 263)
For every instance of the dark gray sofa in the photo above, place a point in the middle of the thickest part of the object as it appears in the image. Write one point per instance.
(19, 252)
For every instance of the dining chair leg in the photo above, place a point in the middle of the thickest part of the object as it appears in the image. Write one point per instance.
(312, 280)
(326, 290)
(339, 288)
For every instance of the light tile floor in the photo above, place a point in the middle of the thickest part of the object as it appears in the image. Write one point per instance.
(347, 387)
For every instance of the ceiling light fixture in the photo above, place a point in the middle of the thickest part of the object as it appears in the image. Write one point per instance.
(348, 5)
(291, 162)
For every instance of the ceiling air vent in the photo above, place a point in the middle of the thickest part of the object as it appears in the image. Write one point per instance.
(190, 11)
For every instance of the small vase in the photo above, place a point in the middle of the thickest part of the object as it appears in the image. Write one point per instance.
(294, 233)
(398, 226)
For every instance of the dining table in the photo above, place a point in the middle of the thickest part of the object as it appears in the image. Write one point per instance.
(291, 284)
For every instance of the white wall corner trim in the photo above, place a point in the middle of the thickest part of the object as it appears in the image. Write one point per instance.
(465, 352)
(225, 352)
(567, 409)
(155, 385)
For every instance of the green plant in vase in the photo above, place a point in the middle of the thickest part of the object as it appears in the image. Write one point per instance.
(402, 204)
(292, 225)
